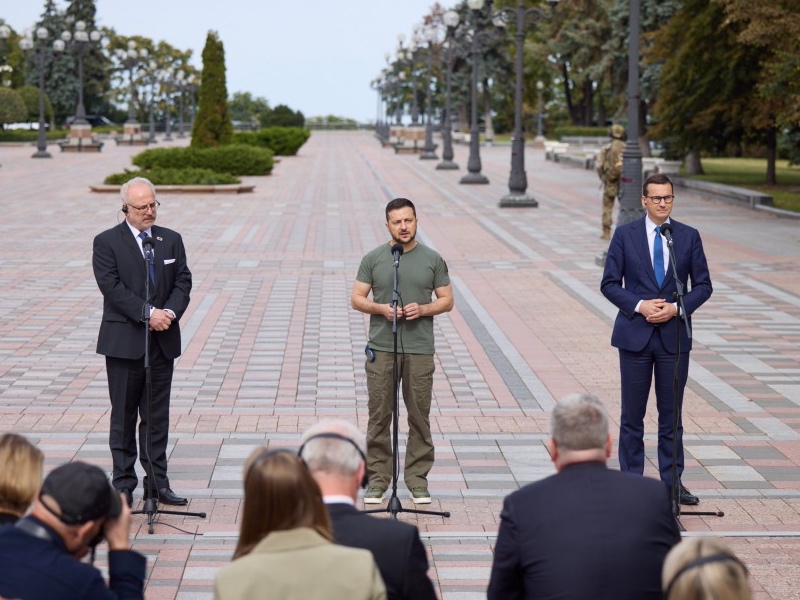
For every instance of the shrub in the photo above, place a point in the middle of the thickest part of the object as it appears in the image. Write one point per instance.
(175, 177)
(283, 141)
(237, 159)
(12, 106)
(28, 135)
(30, 95)
(577, 131)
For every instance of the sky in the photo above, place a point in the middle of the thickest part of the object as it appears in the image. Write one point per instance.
(316, 56)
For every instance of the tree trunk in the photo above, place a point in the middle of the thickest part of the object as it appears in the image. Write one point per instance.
(692, 163)
(772, 142)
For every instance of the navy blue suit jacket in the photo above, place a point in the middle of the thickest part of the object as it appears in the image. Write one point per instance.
(586, 532)
(628, 277)
(395, 546)
(120, 271)
(37, 569)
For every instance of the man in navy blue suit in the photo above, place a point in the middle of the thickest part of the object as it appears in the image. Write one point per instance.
(588, 531)
(638, 279)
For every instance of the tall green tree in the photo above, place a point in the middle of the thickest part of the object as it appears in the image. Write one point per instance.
(247, 109)
(707, 99)
(213, 126)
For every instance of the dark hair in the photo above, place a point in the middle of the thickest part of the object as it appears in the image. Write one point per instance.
(657, 179)
(279, 494)
(398, 203)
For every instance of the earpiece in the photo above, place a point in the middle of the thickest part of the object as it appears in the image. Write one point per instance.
(344, 438)
(125, 208)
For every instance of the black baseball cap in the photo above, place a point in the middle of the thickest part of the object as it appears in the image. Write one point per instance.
(82, 493)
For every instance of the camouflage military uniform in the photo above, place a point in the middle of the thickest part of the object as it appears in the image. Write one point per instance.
(609, 169)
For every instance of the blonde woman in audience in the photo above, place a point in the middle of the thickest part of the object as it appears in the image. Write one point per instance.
(20, 476)
(285, 550)
(704, 569)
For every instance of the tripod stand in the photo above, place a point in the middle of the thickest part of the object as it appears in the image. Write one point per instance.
(394, 506)
(151, 504)
(666, 230)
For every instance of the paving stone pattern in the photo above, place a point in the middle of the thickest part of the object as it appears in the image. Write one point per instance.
(271, 344)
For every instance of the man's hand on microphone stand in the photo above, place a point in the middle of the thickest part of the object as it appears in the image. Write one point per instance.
(388, 312)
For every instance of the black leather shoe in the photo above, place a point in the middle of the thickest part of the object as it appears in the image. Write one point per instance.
(128, 495)
(688, 498)
(165, 495)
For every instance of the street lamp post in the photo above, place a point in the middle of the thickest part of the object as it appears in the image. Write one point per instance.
(179, 77)
(132, 129)
(166, 82)
(429, 152)
(152, 80)
(538, 141)
(630, 207)
(80, 129)
(474, 162)
(518, 180)
(451, 20)
(38, 46)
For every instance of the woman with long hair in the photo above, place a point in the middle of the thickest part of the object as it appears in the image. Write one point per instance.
(20, 476)
(284, 549)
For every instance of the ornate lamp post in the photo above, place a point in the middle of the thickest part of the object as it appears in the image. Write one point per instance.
(179, 78)
(152, 81)
(130, 60)
(167, 85)
(630, 207)
(451, 20)
(429, 152)
(518, 180)
(42, 54)
(80, 41)
(538, 141)
(474, 162)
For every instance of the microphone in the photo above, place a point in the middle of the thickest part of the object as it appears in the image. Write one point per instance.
(147, 244)
(397, 252)
(666, 231)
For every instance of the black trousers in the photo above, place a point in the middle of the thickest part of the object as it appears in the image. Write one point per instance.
(128, 393)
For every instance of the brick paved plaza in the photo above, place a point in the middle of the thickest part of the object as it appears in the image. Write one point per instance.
(271, 344)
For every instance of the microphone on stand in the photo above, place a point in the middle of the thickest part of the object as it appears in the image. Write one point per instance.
(666, 231)
(397, 252)
(148, 244)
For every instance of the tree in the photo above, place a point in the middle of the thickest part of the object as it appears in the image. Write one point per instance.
(12, 106)
(246, 109)
(213, 126)
(706, 100)
(283, 116)
(30, 96)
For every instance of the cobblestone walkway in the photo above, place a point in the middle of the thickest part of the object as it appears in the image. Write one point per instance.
(271, 344)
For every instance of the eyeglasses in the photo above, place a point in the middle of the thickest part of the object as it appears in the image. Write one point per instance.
(152, 206)
(659, 199)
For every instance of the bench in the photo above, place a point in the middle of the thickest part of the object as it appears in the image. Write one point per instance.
(80, 144)
(553, 149)
(587, 140)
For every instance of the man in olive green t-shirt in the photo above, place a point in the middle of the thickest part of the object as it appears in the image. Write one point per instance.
(421, 274)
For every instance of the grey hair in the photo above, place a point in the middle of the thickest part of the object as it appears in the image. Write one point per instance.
(579, 422)
(123, 191)
(331, 455)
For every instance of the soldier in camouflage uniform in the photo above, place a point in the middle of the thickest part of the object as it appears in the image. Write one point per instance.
(609, 168)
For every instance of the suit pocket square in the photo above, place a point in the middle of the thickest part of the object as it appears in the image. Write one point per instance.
(169, 261)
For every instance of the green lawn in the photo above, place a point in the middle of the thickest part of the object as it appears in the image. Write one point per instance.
(751, 172)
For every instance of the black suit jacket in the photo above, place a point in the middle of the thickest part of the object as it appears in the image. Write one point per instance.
(586, 532)
(628, 277)
(396, 547)
(120, 271)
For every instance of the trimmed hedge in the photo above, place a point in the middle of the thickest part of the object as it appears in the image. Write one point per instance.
(283, 141)
(575, 131)
(175, 177)
(29, 135)
(236, 159)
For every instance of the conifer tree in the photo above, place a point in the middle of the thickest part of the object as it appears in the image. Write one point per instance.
(212, 126)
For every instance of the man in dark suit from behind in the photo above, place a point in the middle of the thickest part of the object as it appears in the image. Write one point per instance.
(135, 297)
(587, 531)
(335, 452)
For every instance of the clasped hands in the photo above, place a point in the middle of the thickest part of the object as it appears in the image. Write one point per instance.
(160, 320)
(409, 312)
(657, 310)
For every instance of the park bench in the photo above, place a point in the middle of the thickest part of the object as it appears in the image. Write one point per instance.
(727, 193)
(80, 144)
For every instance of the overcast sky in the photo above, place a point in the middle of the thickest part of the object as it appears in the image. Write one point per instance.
(316, 56)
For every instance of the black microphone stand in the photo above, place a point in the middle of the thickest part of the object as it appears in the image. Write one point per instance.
(151, 504)
(393, 506)
(676, 377)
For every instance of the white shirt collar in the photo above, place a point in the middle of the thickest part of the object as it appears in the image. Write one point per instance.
(338, 500)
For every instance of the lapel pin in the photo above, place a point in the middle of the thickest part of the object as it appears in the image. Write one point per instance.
(160, 239)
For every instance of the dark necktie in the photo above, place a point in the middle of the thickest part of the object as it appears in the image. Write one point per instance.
(152, 263)
(658, 257)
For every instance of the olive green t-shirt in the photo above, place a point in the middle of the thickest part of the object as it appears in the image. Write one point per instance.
(421, 271)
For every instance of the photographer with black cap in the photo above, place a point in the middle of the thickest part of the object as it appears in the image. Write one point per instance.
(76, 509)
